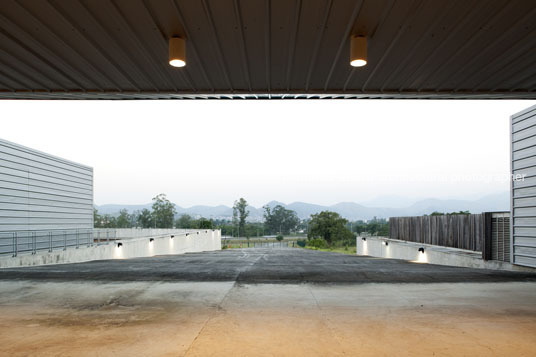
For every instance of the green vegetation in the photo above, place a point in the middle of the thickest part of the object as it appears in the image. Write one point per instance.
(329, 226)
(187, 222)
(435, 213)
(317, 243)
(146, 219)
(375, 226)
(325, 230)
(240, 213)
(161, 216)
(163, 212)
(345, 250)
(280, 220)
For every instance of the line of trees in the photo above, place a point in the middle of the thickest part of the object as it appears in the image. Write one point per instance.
(161, 215)
(328, 226)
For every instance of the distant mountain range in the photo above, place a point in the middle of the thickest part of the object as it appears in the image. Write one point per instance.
(349, 210)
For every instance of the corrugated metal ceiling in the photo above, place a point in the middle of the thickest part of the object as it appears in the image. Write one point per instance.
(117, 49)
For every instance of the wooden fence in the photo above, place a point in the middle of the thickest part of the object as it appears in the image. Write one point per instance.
(464, 231)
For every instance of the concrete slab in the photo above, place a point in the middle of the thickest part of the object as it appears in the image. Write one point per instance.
(222, 304)
(263, 265)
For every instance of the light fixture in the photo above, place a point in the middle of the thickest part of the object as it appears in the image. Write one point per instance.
(172, 236)
(177, 52)
(119, 245)
(358, 51)
(385, 243)
(421, 249)
(151, 239)
(364, 239)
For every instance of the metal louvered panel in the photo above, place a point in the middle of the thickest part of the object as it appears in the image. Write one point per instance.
(500, 236)
(523, 184)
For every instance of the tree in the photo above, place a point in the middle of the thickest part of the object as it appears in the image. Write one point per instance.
(123, 221)
(184, 221)
(330, 226)
(163, 212)
(133, 218)
(97, 219)
(203, 223)
(240, 210)
(108, 221)
(145, 219)
(280, 219)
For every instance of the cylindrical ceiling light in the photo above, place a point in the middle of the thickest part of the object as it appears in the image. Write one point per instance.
(358, 51)
(177, 52)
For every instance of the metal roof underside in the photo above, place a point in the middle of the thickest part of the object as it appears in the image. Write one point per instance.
(118, 49)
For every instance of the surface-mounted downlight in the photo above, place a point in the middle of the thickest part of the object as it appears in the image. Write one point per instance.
(358, 51)
(421, 249)
(177, 52)
(151, 240)
(119, 245)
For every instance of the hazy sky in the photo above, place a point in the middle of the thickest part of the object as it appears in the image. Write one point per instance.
(318, 151)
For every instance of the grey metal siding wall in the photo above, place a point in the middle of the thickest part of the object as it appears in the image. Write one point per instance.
(43, 192)
(523, 192)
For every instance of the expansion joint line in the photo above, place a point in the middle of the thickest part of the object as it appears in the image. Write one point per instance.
(325, 319)
(219, 306)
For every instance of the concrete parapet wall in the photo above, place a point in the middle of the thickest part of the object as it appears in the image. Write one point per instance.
(193, 241)
(397, 249)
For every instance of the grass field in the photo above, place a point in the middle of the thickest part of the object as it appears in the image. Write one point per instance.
(351, 250)
(237, 244)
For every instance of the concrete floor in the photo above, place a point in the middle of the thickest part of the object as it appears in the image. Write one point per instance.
(280, 302)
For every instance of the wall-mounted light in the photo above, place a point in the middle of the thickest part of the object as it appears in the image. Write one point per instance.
(364, 239)
(177, 52)
(197, 232)
(187, 234)
(358, 51)
(151, 239)
(172, 236)
(119, 245)
(385, 243)
(421, 249)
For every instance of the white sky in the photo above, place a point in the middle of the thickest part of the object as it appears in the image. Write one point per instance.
(321, 151)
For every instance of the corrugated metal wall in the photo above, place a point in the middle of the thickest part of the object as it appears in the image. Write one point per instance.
(523, 196)
(43, 192)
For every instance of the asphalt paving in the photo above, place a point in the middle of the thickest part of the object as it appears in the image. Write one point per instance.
(263, 265)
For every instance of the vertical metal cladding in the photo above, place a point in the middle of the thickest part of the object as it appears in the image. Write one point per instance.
(523, 188)
(41, 192)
